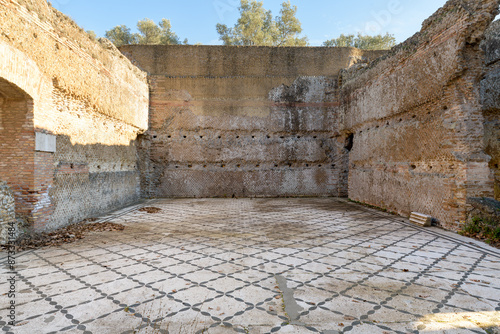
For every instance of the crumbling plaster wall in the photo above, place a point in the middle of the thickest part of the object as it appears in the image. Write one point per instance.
(243, 121)
(417, 122)
(88, 96)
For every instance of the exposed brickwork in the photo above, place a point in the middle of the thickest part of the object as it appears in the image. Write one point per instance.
(243, 62)
(17, 147)
(417, 122)
(490, 99)
(72, 168)
(44, 178)
(415, 130)
(251, 121)
(56, 80)
(94, 167)
(93, 72)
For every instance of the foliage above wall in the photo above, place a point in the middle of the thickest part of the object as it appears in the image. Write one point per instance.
(378, 42)
(256, 26)
(149, 33)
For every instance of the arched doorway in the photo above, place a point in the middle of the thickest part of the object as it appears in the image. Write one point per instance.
(17, 147)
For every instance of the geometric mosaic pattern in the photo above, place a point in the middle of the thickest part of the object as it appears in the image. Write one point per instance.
(259, 266)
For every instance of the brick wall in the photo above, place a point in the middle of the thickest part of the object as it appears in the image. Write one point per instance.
(58, 81)
(242, 121)
(417, 130)
(92, 71)
(17, 146)
(490, 99)
(417, 120)
(94, 166)
(43, 184)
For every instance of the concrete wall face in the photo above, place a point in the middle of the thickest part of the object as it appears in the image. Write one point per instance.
(83, 96)
(417, 121)
(242, 121)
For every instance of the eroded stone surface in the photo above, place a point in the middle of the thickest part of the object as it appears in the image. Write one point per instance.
(243, 121)
(57, 81)
(7, 211)
(416, 130)
(490, 101)
(415, 115)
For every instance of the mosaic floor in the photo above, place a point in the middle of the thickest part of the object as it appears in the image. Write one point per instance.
(258, 266)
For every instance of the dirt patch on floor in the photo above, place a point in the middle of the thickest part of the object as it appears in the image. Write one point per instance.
(150, 209)
(62, 236)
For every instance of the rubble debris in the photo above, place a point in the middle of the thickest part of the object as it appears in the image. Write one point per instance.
(64, 235)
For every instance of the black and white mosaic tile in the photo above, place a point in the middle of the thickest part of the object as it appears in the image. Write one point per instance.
(258, 266)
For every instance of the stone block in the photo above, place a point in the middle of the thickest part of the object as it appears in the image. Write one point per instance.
(421, 219)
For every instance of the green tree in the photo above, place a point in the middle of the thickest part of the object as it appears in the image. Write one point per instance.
(149, 33)
(92, 34)
(121, 35)
(341, 41)
(289, 27)
(378, 42)
(256, 26)
(168, 36)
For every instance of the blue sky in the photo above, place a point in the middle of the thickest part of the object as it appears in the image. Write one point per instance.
(196, 19)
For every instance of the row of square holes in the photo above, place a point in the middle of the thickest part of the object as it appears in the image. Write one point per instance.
(315, 137)
(258, 165)
(298, 137)
(400, 120)
(237, 137)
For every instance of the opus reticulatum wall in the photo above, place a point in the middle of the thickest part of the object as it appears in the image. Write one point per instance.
(84, 130)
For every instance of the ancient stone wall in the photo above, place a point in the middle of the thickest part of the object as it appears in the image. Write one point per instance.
(490, 100)
(83, 105)
(7, 213)
(416, 119)
(415, 130)
(243, 121)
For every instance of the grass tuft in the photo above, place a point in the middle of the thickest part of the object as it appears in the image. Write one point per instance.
(482, 229)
